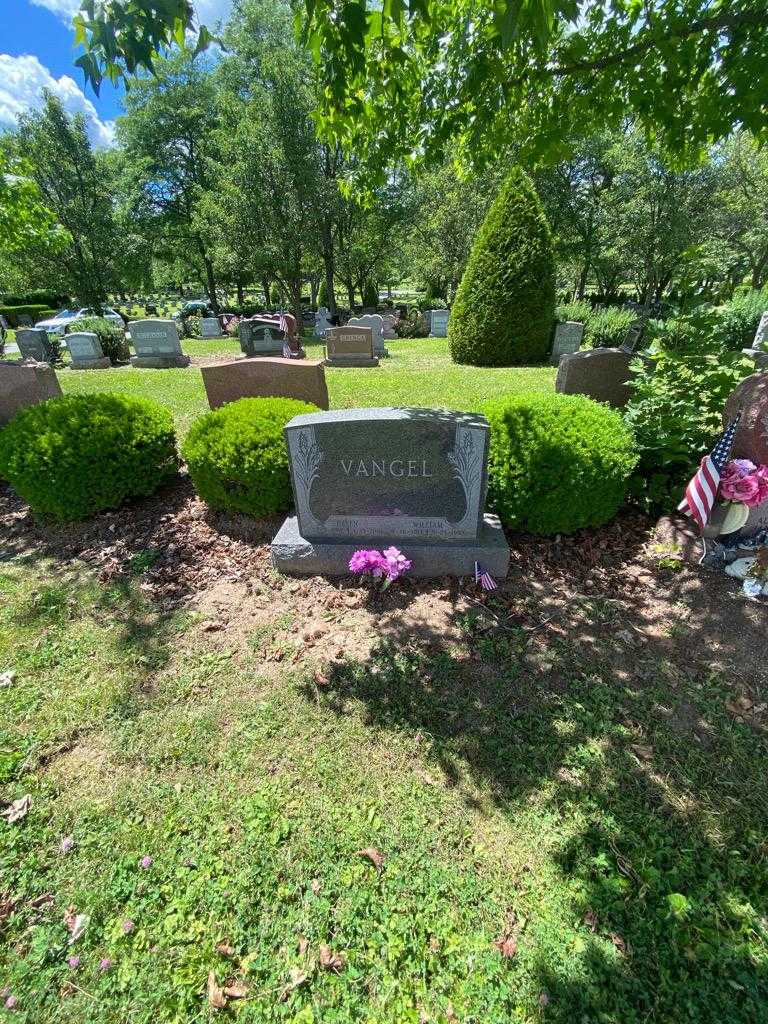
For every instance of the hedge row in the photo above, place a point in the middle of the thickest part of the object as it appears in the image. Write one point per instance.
(37, 312)
(557, 462)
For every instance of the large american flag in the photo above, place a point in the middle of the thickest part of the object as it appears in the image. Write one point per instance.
(701, 492)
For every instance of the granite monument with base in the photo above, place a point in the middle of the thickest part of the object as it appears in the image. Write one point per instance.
(415, 478)
(86, 352)
(376, 323)
(34, 344)
(210, 327)
(157, 345)
(349, 346)
(263, 378)
(261, 338)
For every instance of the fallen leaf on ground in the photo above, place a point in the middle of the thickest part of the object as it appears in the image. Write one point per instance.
(216, 996)
(643, 753)
(329, 960)
(79, 925)
(296, 977)
(373, 855)
(18, 809)
(225, 949)
(591, 920)
(303, 945)
(237, 990)
(321, 678)
(619, 943)
(315, 886)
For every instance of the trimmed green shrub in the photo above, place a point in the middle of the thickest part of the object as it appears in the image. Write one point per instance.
(607, 328)
(114, 343)
(370, 294)
(70, 457)
(504, 307)
(12, 313)
(237, 456)
(579, 311)
(557, 462)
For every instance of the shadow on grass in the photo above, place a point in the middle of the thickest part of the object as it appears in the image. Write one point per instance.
(632, 741)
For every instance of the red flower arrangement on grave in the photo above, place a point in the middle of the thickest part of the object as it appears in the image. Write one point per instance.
(742, 481)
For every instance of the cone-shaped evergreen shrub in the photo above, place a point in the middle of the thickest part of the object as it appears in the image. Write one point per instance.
(238, 458)
(557, 463)
(505, 304)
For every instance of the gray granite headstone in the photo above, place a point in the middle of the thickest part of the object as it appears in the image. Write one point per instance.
(33, 343)
(438, 323)
(376, 323)
(568, 337)
(349, 346)
(85, 351)
(156, 343)
(416, 478)
(260, 338)
(210, 327)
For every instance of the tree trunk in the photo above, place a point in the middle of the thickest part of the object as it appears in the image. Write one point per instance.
(329, 261)
(265, 284)
(581, 287)
(350, 292)
(240, 294)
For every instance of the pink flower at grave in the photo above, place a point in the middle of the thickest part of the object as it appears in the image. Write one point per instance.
(10, 1003)
(67, 844)
(395, 563)
(74, 962)
(105, 964)
(368, 561)
(745, 489)
(146, 862)
(128, 927)
(738, 468)
(761, 475)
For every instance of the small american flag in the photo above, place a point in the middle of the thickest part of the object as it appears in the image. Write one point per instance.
(701, 492)
(483, 578)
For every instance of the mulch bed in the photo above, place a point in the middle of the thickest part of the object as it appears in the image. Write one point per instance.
(661, 608)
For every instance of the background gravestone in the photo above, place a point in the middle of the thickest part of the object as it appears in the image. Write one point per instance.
(265, 377)
(86, 352)
(33, 343)
(599, 373)
(23, 384)
(322, 323)
(376, 323)
(156, 344)
(568, 338)
(759, 350)
(210, 327)
(389, 326)
(416, 478)
(438, 323)
(260, 338)
(349, 346)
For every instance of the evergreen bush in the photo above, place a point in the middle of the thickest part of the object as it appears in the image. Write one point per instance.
(557, 462)
(112, 339)
(72, 456)
(504, 307)
(237, 456)
(370, 295)
(740, 317)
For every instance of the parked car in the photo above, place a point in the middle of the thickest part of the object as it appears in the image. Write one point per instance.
(195, 307)
(59, 323)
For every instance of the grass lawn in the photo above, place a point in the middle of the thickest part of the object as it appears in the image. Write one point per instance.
(568, 792)
(418, 372)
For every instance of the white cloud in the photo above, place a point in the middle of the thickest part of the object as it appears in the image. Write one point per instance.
(209, 12)
(22, 80)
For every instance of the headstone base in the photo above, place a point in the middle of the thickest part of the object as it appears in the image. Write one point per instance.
(92, 364)
(382, 353)
(293, 554)
(159, 362)
(351, 361)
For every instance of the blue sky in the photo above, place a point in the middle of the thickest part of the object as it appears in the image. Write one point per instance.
(37, 52)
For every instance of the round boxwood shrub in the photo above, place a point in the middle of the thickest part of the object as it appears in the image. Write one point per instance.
(70, 457)
(557, 462)
(237, 455)
(505, 305)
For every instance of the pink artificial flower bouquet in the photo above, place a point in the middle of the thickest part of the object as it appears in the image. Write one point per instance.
(387, 565)
(742, 481)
